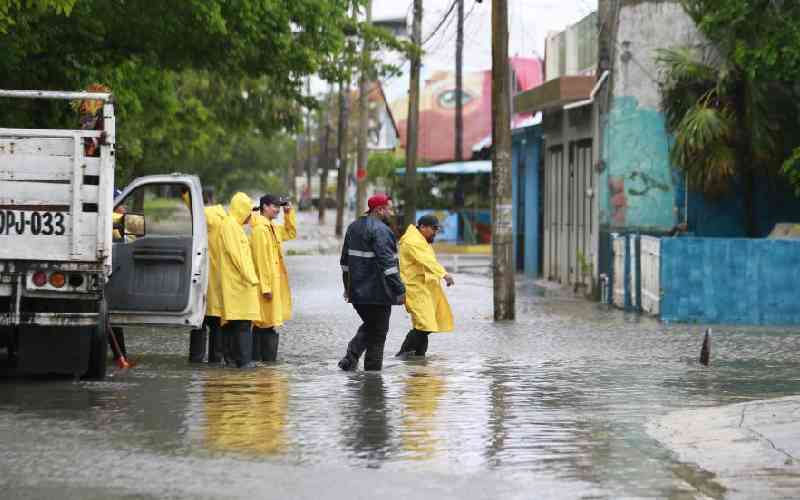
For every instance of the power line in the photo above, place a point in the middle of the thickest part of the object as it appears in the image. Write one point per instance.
(445, 40)
(441, 22)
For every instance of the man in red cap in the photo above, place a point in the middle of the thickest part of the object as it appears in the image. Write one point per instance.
(371, 277)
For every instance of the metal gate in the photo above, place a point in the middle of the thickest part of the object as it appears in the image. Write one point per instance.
(569, 212)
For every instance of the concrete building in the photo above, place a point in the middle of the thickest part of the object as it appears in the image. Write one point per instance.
(569, 207)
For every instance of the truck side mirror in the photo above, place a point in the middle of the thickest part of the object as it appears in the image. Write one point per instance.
(134, 225)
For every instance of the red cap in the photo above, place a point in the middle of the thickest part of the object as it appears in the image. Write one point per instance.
(378, 200)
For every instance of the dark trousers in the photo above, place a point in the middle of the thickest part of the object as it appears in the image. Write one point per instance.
(265, 344)
(215, 344)
(370, 337)
(416, 342)
(208, 334)
(237, 343)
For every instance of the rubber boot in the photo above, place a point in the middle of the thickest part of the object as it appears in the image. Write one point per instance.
(422, 343)
(409, 344)
(197, 345)
(244, 347)
(355, 348)
(215, 345)
(228, 350)
(269, 345)
(373, 358)
(258, 336)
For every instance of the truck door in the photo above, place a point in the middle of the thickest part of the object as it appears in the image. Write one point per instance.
(159, 268)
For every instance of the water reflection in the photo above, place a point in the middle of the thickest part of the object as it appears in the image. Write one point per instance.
(423, 390)
(499, 402)
(246, 411)
(560, 395)
(365, 428)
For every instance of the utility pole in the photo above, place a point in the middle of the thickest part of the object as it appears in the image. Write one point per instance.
(308, 140)
(502, 237)
(341, 142)
(460, 82)
(412, 125)
(324, 154)
(297, 167)
(363, 110)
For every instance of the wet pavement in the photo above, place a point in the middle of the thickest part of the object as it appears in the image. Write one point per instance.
(554, 405)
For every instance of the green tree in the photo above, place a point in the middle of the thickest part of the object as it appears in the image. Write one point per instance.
(732, 106)
(728, 127)
(761, 38)
(191, 79)
(9, 7)
(382, 168)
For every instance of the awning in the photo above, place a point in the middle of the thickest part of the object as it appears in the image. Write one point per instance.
(454, 168)
(517, 123)
(554, 94)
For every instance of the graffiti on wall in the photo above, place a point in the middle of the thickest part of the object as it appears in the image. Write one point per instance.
(639, 178)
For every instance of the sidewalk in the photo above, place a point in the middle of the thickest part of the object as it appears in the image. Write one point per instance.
(751, 448)
(314, 238)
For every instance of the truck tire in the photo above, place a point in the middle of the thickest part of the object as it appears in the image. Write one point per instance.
(98, 351)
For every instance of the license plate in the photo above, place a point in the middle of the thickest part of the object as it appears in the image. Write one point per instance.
(19, 222)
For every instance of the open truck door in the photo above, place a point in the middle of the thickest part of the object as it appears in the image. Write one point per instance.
(159, 269)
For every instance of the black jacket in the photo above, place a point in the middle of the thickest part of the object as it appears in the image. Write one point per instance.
(369, 263)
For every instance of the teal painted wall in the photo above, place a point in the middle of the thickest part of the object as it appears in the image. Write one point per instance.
(526, 143)
(636, 188)
(730, 281)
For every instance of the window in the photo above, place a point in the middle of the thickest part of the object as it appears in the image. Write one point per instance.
(165, 207)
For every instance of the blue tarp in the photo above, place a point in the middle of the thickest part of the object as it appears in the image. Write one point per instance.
(454, 168)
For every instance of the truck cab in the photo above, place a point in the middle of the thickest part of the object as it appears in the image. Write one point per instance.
(75, 260)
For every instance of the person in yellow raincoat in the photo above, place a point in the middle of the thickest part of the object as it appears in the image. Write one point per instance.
(421, 273)
(215, 214)
(274, 295)
(238, 283)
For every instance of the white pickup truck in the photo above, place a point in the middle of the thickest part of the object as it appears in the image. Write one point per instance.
(68, 269)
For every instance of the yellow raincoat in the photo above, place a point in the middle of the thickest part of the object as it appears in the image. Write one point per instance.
(271, 270)
(116, 219)
(422, 275)
(238, 279)
(215, 214)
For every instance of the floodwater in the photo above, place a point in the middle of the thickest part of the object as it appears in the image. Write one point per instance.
(552, 405)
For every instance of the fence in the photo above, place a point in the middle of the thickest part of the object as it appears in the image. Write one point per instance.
(709, 280)
(651, 274)
(730, 281)
(619, 270)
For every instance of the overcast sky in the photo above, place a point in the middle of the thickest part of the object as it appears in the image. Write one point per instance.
(529, 23)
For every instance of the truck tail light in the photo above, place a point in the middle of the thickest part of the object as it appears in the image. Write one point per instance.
(75, 280)
(57, 279)
(39, 278)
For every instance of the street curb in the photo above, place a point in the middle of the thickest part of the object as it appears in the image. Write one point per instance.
(751, 448)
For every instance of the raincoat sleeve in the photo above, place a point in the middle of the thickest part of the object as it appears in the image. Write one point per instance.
(344, 262)
(231, 244)
(261, 259)
(288, 230)
(212, 218)
(427, 259)
(385, 249)
(116, 221)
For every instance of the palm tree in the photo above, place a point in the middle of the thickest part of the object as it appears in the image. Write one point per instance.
(728, 126)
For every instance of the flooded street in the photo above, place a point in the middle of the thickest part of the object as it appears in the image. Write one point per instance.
(553, 405)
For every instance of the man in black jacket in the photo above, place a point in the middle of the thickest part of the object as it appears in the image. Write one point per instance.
(371, 278)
